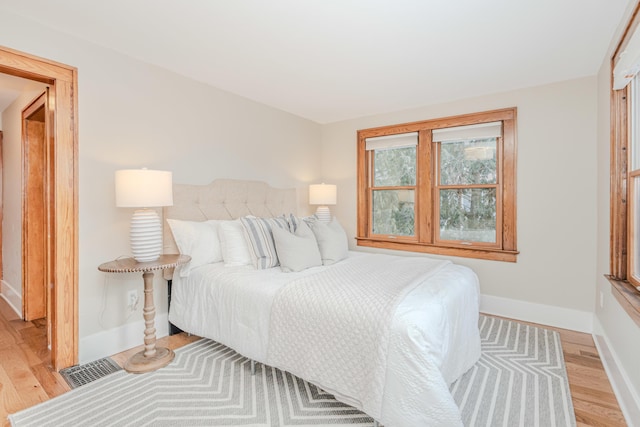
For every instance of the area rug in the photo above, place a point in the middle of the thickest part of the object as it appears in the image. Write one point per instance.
(520, 380)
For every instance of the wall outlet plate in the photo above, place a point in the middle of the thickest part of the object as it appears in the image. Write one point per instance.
(132, 299)
(601, 299)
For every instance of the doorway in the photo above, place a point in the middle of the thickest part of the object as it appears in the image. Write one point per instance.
(62, 276)
(36, 223)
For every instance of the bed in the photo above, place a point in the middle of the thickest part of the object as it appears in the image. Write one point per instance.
(385, 334)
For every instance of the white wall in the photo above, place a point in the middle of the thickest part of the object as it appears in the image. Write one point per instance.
(132, 114)
(11, 285)
(555, 192)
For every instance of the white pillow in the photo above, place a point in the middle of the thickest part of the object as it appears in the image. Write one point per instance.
(332, 240)
(235, 250)
(296, 251)
(199, 240)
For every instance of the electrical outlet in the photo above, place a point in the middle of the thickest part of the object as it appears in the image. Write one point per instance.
(132, 300)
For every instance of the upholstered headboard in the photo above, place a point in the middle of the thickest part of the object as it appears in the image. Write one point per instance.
(225, 199)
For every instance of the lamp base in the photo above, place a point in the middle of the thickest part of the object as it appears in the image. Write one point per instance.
(145, 235)
(323, 213)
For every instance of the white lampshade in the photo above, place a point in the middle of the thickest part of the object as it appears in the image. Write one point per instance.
(144, 188)
(323, 195)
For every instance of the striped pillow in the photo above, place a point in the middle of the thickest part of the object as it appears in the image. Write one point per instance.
(260, 239)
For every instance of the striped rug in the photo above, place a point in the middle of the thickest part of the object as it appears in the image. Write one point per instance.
(520, 380)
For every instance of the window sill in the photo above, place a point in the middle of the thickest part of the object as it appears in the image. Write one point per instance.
(488, 254)
(627, 296)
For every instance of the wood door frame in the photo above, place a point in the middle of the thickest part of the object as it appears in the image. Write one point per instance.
(63, 106)
(1, 207)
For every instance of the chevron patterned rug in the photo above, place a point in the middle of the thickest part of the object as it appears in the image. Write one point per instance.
(520, 380)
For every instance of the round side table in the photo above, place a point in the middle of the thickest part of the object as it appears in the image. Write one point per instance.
(152, 357)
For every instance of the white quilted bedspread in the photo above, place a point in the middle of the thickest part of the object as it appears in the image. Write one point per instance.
(338, 341)
(332, 328)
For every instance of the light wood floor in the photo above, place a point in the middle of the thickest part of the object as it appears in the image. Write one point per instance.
(26, 377)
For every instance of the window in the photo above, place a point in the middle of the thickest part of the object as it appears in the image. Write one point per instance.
(625, 157)
(444, 186)
(633, 198)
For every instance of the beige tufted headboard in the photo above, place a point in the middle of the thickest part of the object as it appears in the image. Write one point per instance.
(225, 199)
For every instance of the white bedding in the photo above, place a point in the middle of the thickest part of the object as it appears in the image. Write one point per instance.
(432, 339)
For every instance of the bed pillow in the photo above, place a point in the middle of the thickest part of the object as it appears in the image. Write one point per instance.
(296, 251)
(294, 221)
(235, 251)
(199, 240)
(259, 236)
(332, 240)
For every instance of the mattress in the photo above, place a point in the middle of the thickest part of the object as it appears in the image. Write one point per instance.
(433, 334)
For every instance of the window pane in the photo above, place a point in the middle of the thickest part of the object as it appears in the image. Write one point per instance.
(635, 123)
(635, 237)
(468, 215)
(393, 212)
(468, 162)
(394, 167)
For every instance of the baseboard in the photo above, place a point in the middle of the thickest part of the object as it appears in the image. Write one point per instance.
(116, 340)
(13, 298)
(558, 317)
(628, 398)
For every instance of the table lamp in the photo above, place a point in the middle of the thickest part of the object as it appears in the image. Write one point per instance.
(144, 189)
(323, 195)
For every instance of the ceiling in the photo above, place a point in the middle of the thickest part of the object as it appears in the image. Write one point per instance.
(331, 60)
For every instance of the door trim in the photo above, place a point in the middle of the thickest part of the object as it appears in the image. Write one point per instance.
(63, 103)
(1, 207)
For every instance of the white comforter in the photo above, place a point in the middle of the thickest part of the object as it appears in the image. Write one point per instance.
(431, 336)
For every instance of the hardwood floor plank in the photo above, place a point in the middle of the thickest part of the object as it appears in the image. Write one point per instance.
(10, 399)
(579, 349)
(51, 381)
(585, 376)
(589, 394)
(595, 415)
(586, 361)
(29, 356)
(19, 324)
(6, 312)
(25, 383)
(573, 336)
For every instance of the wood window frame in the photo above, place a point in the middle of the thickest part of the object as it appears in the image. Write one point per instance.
(425, 239)
(620, 245)
(620, 153)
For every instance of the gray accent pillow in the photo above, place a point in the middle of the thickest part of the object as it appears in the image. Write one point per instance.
(296, 251)
(259, 235)
(332, 240)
